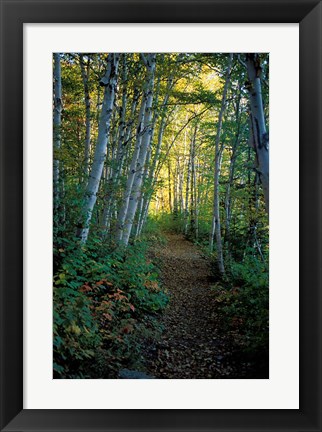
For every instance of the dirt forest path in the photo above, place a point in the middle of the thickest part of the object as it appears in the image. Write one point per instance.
(190, 345)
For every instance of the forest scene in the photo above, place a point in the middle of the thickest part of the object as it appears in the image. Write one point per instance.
(160, 215)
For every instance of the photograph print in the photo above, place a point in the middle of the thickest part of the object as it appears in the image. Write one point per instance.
(160, 215)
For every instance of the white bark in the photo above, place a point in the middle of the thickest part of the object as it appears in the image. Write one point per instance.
(197, 200)
(132, 171)
(112, 181)
(232, 170)
(152, 178)
(127, 136)
(109, 82)
(153, 171)
(145, 144)
(227, 197)
(260, 135)
(57, 125)
(85, 78)
(193, 185)
(140, 217)
(216, 226)
(122, 125)
(186, 206)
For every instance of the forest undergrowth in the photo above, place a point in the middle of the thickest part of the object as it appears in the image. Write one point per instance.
(105, 303)
(158, 307)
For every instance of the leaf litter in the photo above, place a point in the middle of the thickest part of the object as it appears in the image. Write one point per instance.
(192, 344)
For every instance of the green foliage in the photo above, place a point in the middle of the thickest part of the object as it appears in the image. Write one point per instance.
(102, 299)
(245, 303)
(152, 231)
(166, 222)
(76, 336)
(140, 278)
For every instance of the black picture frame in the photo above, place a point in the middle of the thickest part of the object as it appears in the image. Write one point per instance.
(13, 15)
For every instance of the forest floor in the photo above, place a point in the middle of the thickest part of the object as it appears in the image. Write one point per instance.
(191, 344)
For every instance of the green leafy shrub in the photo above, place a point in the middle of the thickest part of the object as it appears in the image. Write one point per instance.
(167, 222)
(114, 314)
(103, 298)
(245, 303)
(152, 231)
(76, 335)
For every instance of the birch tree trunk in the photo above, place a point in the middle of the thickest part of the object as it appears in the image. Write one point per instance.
(175, 191)
(85, 78)
(118, 156)
(132, 171)
(57, 126)
(125, 141)
(109, 82)
(227, 197)
(232, 171)
(186, 209)
(260, 135)
(152, 177)
(169, 187)
(192, 185)
(197, 198)
(216, 227)
(149, 61)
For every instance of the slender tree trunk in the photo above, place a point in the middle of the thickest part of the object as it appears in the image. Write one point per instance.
(85, 78)
(142, 197)
(175, 191)
(231, 173)
(192, 185)
(186, 210)
(216, 227)
(109, 82)
(126, 144)
(57, 125)
(192, 203)
(180, 190)
(197, 199)
(118, 153)
(140, 217)
(149, 61)
(123, 127)
(227, 197)
(169, 187)
(132, 171)
(152, 178)
(260, 135)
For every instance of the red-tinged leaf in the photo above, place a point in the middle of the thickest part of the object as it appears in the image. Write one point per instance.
(127, 329)
(85, 288)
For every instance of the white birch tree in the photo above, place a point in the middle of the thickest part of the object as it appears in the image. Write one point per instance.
(109, 82)
(132, 171)
(216, 225)
(150, 62)
(259, 131)
(85, 77)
